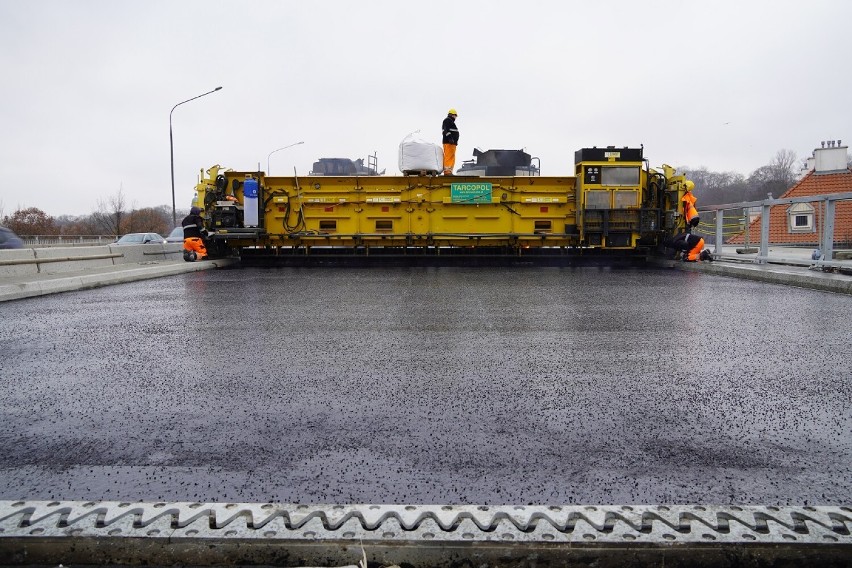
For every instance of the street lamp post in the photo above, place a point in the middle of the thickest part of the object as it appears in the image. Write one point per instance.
(172, 149)
(278, 150)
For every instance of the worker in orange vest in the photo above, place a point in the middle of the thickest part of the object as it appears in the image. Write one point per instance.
(690, 213)
(692, 247)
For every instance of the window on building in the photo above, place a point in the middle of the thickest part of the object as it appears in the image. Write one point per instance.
(800, 218)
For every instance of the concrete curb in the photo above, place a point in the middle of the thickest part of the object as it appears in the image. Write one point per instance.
(801, 277)
(32, 286)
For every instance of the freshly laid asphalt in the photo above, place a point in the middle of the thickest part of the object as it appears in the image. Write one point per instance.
(431, 385)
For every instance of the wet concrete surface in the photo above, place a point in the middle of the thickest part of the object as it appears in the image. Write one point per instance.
(429, 385)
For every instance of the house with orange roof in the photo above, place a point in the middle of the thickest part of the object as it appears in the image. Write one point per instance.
(801, 224)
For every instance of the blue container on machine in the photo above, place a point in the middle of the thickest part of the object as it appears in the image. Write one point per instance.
(251, 208)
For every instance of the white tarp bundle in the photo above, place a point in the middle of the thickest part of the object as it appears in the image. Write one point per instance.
(418, 155)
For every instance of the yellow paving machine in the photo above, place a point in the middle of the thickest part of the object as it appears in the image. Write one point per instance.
(614, 201)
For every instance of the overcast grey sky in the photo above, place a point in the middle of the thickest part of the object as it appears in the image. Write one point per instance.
(87, 85)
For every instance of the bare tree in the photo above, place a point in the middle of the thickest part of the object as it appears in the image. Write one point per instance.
(783, 168)
(110, 213)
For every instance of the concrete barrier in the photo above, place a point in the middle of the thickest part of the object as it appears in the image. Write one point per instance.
(18, 262)
(29, 272)
(147, 253)
(58, 261)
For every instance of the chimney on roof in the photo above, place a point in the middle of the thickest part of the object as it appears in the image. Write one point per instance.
(830, 157)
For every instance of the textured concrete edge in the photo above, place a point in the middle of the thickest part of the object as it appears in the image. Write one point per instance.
(119, 275)
(800, 278)
(419, 535)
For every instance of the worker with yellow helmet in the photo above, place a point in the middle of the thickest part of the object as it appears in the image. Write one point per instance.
(450, 136)
(690, 213)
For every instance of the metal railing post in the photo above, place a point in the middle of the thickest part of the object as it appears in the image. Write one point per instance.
(828, 230)
(764, 232)
(720, 221)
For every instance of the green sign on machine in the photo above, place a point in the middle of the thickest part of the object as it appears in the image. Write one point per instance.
(470, 192)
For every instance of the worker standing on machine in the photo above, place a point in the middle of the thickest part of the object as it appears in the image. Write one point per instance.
(450, 135)
(690, 213)
(193, 236)
(692, 247)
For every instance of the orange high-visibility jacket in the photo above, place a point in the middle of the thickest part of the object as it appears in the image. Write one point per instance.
(689, 210)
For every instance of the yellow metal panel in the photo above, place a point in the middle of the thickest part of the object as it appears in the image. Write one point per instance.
(418, 209)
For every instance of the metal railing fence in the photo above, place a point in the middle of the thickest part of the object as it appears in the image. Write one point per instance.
(35, 241)
(725, 228)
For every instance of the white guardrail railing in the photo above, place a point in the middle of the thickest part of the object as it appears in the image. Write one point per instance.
(66, 240)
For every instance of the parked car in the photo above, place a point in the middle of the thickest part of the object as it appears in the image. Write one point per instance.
(9, 240)
(140, 239)
(176, 236)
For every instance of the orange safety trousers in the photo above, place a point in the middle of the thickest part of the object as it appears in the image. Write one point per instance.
(449, 158)
(197, 245)
(695, 252)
